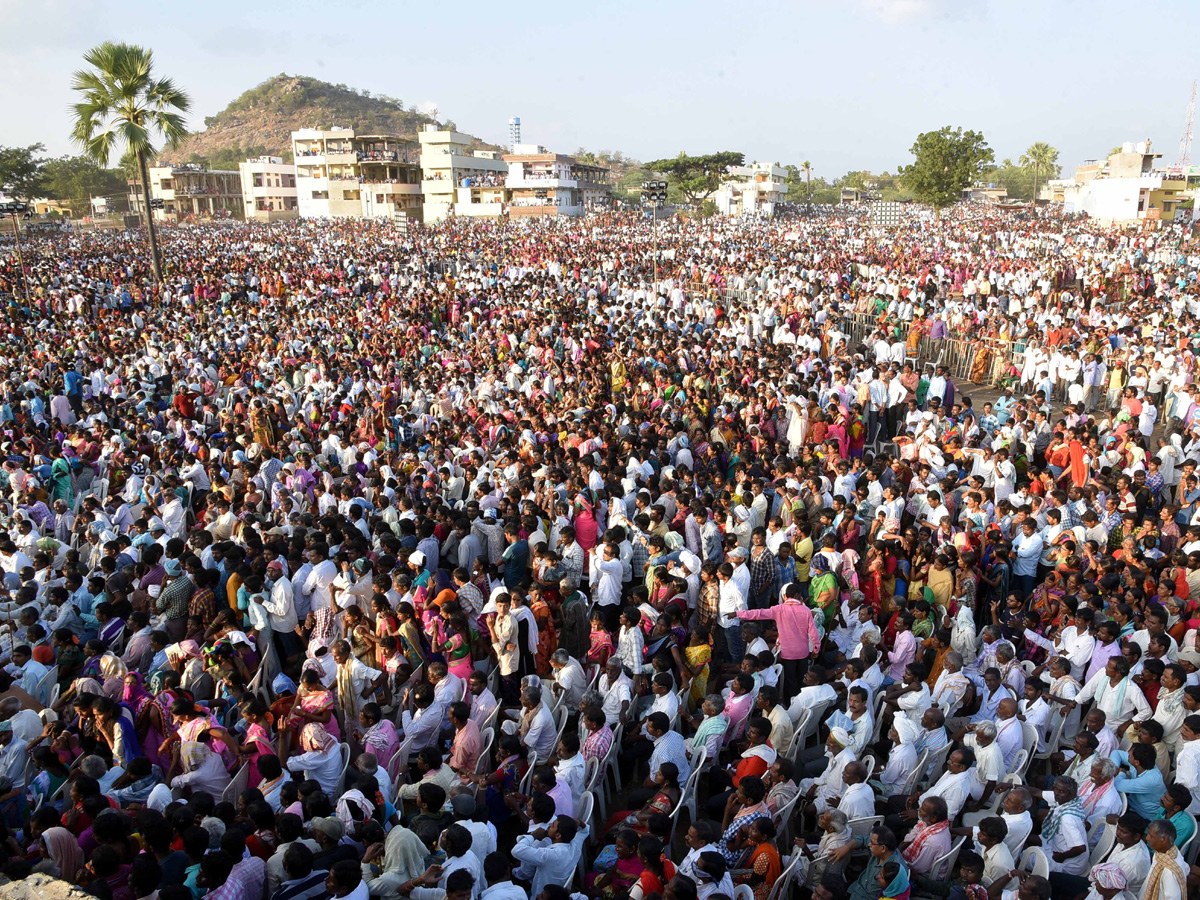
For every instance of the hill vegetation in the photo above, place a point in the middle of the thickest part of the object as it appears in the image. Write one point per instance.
(260, 122)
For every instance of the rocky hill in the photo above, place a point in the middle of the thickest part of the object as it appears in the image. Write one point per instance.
(261, 120)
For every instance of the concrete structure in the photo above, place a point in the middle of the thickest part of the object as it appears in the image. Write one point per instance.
(550, 184)
(189, 191)
(751, 190)
(1122, 188)
(448, 165)
(340, 174)
(269, 189)
(985, 193)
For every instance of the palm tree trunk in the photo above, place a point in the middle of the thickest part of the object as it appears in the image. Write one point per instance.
(155, 258)
(1035, 182)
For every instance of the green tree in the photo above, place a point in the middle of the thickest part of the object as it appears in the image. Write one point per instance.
(123, 102)
(74, 180)
(696, 177)
(946, 162)
(1043, 158)
(21, 171)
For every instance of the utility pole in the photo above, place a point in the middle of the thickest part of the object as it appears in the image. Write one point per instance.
(654, 192)
(14, 208)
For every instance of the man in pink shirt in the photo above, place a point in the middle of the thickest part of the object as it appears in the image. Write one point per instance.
(798, 637)
(903, 651)
(468, 740)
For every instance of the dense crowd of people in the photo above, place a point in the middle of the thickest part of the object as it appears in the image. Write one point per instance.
(472, 561)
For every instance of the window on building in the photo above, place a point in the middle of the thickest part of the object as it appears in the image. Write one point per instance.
(320, 195)
(379, 198)
(258, 181)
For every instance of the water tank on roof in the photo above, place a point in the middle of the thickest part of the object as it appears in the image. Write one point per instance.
(1127, 147)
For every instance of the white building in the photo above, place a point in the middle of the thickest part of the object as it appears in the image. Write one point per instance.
(269, 189)
(1123, 187)
(448, 166)
(340, 174)
(751, 190)
(550, 184)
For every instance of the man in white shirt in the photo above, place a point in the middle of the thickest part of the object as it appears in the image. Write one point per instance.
(555, 863)
(569, 676)
(1187, 762)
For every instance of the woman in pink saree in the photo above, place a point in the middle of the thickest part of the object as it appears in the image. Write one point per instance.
(585, 523)
(257, 742)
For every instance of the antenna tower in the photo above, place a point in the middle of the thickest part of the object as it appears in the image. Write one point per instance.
(1185, 140)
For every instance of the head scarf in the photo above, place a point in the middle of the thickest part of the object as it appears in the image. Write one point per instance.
(1073, 807)
(840, 735)
(1162, 865)
(353, 797)
(135, 693)
(64, 850)
(1109, 876)
(193, 754)
(111, 666)
(898, 888)
(315, 739)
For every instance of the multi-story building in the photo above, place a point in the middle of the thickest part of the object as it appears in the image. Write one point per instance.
(343, 175)
(190, 191)
(269, 189)
(751, 190)
(448, 166)
(1122, 188)
(550, 184)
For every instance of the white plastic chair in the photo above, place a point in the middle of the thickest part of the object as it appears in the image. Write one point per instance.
(743, 892)
(688, 797)
(585, 806)
(1108, 838)
(937, 764)
(943, 866)
(971, 819)
(869, 762)
(1053, 738)
(792, 869)
(863, 824)
(489, 736)
(1020, 762)
(909, 785)
(41, 691)
(782, 818)
(1034, 860)
(344, 750)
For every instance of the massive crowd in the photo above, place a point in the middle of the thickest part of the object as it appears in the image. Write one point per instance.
(472, 562)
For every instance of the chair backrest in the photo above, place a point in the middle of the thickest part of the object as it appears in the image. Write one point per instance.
(880, 699)
(909, 784)
(1189, 848)
(869, 761)
(693, 779)
(563, 715)
(591, 774)
(584, 807)
(1020, 761)
(799, 735)
(1053, 735)
(1029, 738)
(743, 892)
(344, 750)
(485, 756)
(944, 865)
(863, 824)
(789, 874)
(526, 781)
(1027, 666)
(937, 762)
(1034, 860)
(42, 689)
(1108, 837)
(400, 760)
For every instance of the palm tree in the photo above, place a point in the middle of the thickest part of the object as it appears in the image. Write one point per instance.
(806, 168)
(1041, 156)
(124, 103)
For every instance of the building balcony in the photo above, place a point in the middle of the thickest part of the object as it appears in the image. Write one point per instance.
(347, 158)
(541, 183)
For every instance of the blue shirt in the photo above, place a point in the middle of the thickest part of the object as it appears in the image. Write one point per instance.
(1142, 791)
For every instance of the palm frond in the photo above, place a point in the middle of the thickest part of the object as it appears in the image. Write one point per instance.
(164, 93)
(136, 137)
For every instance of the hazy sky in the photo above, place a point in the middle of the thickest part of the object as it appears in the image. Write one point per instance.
(846, 84)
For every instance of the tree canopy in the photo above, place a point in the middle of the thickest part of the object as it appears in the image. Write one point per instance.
(74, 180)
(21, 171)
(946, 161)
(696, 177)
